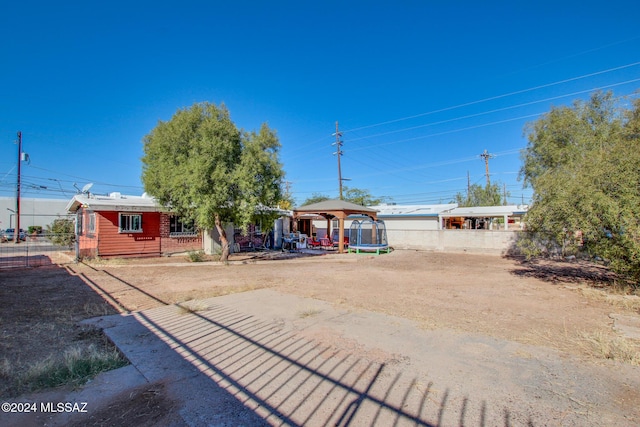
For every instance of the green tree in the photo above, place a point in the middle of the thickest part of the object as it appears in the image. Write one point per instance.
(286, 202)
(361, 197)
(61, 232)
(203, 167)
(315, 198)
(489, 195)
(582, 163)
(354, 195)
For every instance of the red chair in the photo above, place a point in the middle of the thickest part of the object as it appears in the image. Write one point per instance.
(325, 242)
(345, 242)
(313, 243)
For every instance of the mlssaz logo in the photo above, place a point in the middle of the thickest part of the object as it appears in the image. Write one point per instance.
(63, 407)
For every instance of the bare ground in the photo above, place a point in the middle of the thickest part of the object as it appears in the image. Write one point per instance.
(557, 305)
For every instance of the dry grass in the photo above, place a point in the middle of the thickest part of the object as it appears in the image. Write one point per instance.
(620, 298)
(93, 309)
(309, 312)
(74, 366)
(101, 262)
(192, 306)
(605, 346)
(41, 342)
(5, 369)
(180, 297)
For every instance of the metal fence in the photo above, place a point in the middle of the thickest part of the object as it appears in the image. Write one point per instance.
(36, 251)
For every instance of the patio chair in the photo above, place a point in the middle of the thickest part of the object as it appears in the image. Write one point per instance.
(313, 243)
(345, 242)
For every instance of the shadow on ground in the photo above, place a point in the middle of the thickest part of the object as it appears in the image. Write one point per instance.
(227, 367)
(565, 272)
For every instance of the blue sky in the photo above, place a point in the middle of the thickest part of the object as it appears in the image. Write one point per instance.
(420, 88)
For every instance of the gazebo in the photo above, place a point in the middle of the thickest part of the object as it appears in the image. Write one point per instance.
(335, 208)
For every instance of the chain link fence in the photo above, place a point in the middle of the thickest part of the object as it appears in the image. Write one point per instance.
(36, 251)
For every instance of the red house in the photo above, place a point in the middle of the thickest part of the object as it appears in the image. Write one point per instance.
(128, 226)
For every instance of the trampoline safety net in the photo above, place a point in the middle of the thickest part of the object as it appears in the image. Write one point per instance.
(368, 233)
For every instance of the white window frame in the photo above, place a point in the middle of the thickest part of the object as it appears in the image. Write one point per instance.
(129, 223)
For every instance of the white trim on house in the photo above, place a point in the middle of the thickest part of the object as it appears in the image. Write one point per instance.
(114, 202)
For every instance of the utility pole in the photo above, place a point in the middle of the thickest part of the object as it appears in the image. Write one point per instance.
(468, 188)
(504, 190)
(338, 144)
(16, 234)
(486, 156)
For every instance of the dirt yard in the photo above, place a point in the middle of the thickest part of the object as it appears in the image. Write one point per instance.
(543, 303)
(566, 306)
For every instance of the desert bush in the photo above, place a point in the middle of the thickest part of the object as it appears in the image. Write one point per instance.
(34, 229)
(62, 232)
(195, 256)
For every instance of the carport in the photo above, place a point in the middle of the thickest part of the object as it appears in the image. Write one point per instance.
(338, 209)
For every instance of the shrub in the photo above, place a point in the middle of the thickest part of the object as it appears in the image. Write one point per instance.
(195, 256)
(34, 229)
(62, 232)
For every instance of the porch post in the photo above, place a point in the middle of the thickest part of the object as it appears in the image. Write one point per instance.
(341, 235)
(329, 229)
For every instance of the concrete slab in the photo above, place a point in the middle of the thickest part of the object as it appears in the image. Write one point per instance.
(265, 358)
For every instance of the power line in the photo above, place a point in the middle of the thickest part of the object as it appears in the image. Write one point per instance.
(449, 131)
(492, 98)
(497, 110)
(307, 151)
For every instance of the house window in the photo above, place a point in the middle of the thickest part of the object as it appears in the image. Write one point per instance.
(130, 223)
(178, 225)
(79, 229)
(91, 226)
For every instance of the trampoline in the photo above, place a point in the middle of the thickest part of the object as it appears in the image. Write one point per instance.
(368, 236)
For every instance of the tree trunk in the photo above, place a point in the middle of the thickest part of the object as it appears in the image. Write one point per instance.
(224, 242)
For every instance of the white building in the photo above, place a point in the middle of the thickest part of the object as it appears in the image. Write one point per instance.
(33, 212)
(487, 229)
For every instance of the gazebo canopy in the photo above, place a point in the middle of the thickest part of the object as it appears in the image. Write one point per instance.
(335, 208)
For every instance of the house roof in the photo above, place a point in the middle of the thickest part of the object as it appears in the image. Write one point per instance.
(390, 210)
(332, 205)
(114, 202)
